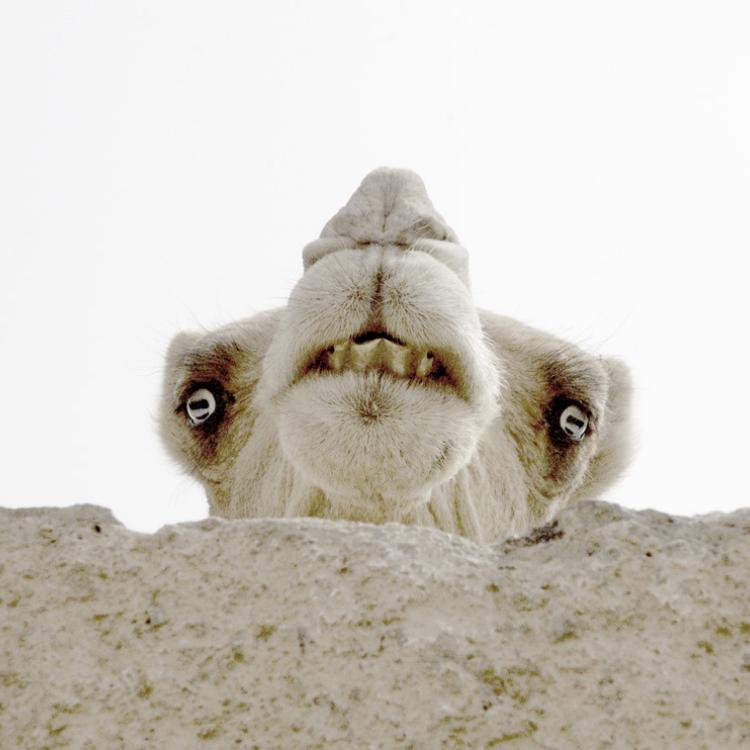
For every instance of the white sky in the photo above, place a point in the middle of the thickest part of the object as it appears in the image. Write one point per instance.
(163, 163)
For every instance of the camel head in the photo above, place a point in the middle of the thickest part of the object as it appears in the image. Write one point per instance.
(380, 393)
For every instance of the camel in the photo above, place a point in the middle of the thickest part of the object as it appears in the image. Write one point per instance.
(380, 393)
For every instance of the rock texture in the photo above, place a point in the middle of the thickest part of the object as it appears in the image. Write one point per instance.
(611, 629)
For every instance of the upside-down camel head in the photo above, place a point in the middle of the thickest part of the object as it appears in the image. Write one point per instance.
(380, 393)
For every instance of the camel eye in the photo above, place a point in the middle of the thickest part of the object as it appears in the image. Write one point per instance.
(574, 422)
(201, 404)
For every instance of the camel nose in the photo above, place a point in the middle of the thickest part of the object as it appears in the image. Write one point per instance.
(390, 209)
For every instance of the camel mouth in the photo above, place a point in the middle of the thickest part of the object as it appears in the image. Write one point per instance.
(379, 352)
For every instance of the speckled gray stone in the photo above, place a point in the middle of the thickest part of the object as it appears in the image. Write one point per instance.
(613, 629)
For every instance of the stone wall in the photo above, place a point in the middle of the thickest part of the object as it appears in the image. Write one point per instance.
(610, 629)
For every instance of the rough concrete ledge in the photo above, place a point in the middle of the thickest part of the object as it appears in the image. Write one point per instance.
(613, 629)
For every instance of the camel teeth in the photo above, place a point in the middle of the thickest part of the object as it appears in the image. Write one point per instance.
(379, 354)
(426, 363)
(337, 356)
(364, 354)
(398, 359)
(410, 363)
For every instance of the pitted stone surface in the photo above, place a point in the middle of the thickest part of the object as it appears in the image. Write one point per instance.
(612, 629)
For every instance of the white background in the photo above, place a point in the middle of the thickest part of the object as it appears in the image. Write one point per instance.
(163, 163)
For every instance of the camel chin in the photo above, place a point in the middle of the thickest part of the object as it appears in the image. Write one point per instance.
(381, 393)
(371, 435)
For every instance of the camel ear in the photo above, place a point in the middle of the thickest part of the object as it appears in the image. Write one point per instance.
(614, 447)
